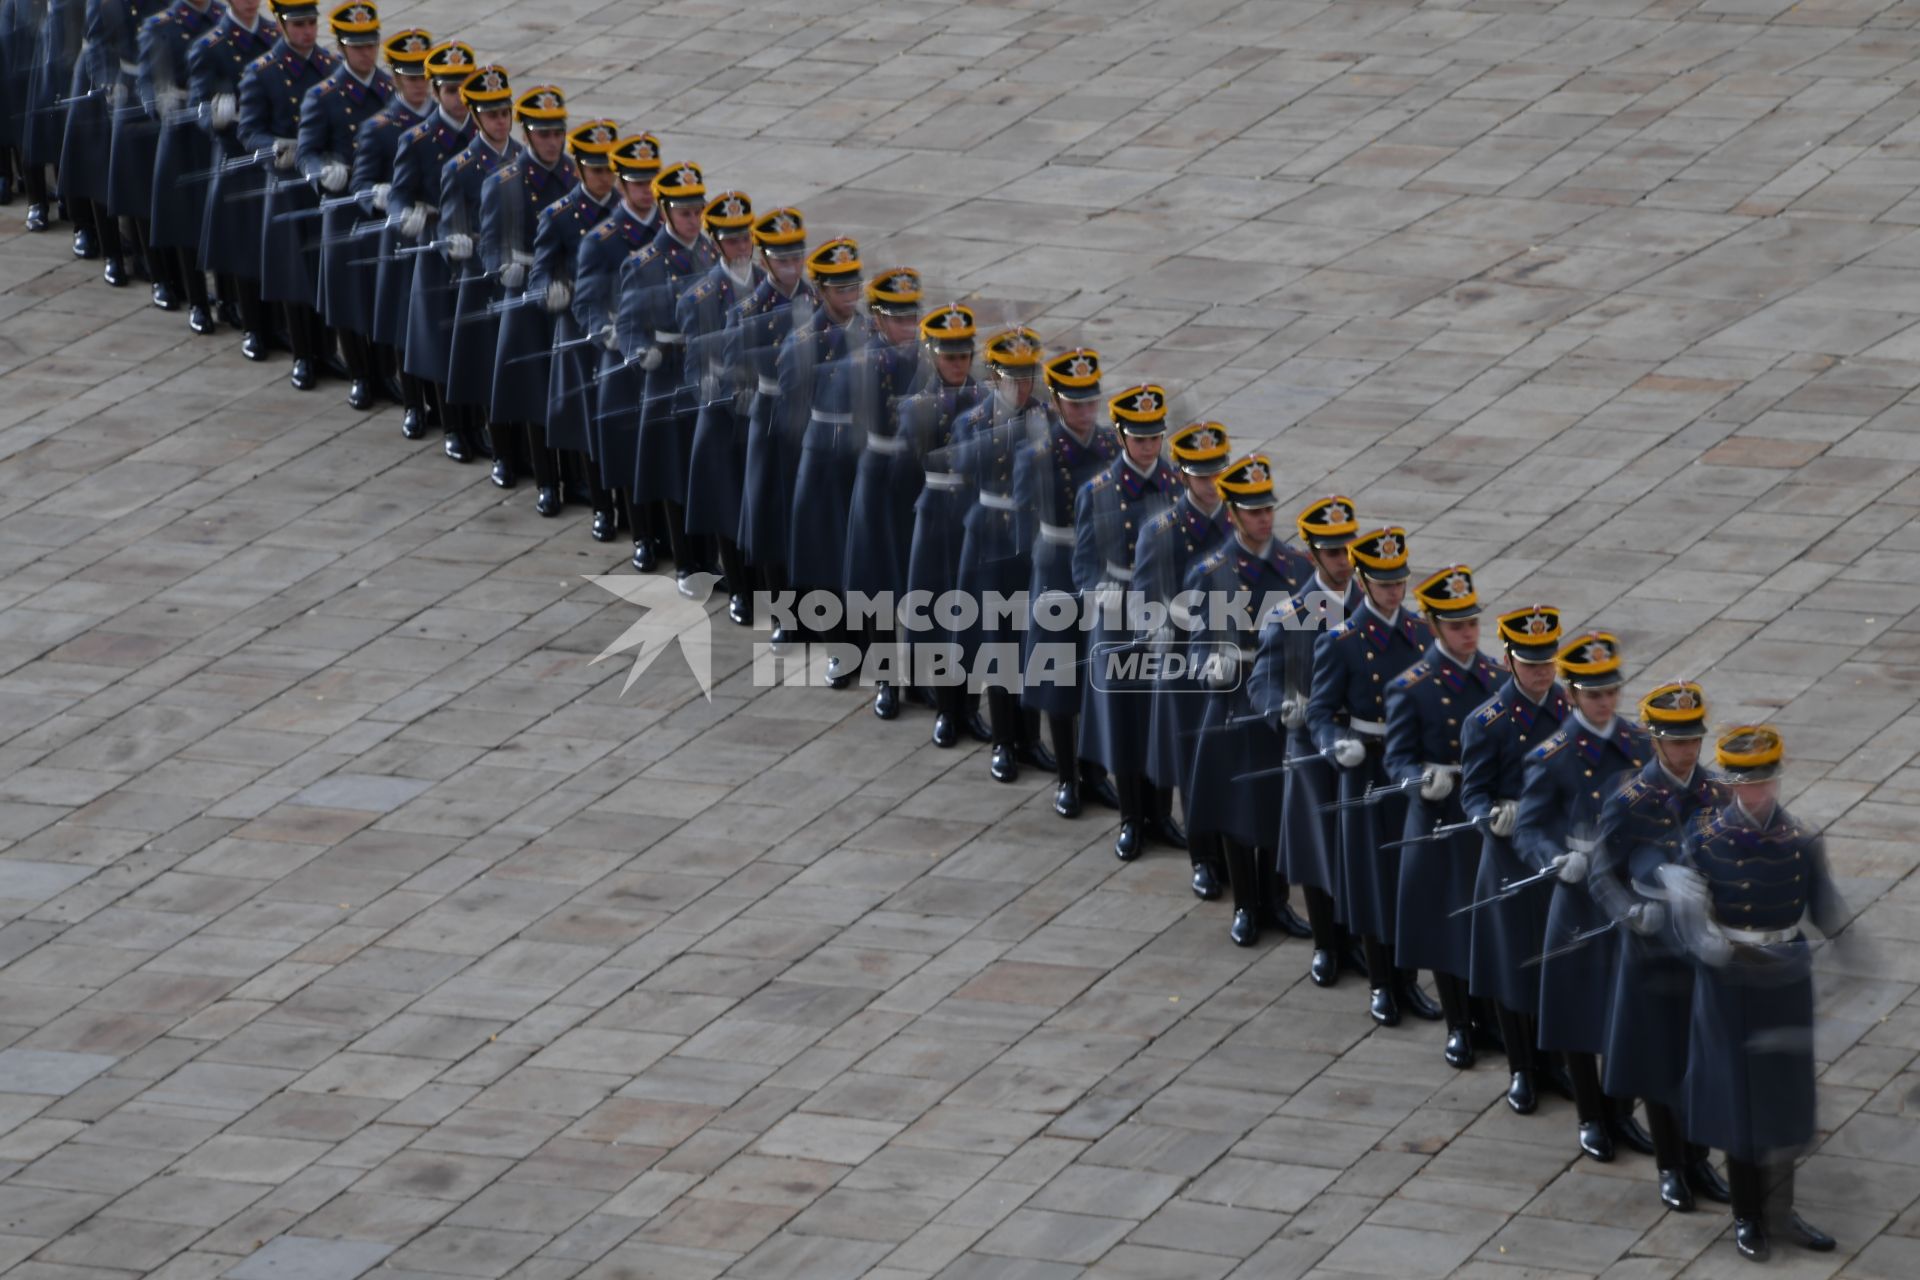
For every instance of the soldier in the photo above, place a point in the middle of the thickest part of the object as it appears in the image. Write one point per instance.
(331, 118)
(182, 154)
(1569, 778)
(869, 387)
(1346, 715)
(1255, 567)
(832, 440)
(1109, 513)
(994, 557)
(722, 384)
(113, 40)
(511, 202)
(1642, 836)
(19, 24)
(563, 374)
(230, 222)
(413, 205)
(472, 330)
(651, 283)
(926, 504)
(87, 129)
(773, 456)
(1526, 710)
(57, 31)
(1191, 526)
(1278, 687)
(616, 390)
(1048, 475)
(271, 91)
(1426, 705)
(804, 366)
(1756, 874)
(375, 151)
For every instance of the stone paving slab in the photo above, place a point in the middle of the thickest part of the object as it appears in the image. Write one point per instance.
(352, 922)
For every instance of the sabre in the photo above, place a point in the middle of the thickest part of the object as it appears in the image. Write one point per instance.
(358, 231)
(1438, 833)
(1574, 943)
(1373, 795)
(232, 164)
(569, 345)
(504, 305)
(1289, 763)
(57, 103)
(325, 206)
(1507, 889)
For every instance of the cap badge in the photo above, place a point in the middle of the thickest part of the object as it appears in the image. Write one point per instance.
(1598, 651)
(1389, 547)
(1685, 701)
(1204, 440)
(1457, 585)
(1256, 474)
(1537, 624)
(1147, 402)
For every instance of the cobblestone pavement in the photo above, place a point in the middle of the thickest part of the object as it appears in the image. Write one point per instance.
(354, 923)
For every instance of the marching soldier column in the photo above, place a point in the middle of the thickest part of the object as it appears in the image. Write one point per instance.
(1622, 918)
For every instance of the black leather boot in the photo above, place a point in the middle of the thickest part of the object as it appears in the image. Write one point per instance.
(886, 700)
(1520, 1094)
(1243, 877)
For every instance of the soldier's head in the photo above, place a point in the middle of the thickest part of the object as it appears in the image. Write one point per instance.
(781, 237)
(356, 29)
(490, 97)
(948, 332)
(636, 160)
(1453, 607)
(448, 65)
(1074, 379)
(591, 145)
(1750, 757)
(1200, 453)
(1246, 487)
(1380, 559)
(299, 23)
(1013, 359)
(244, 11)
(728, 219)
(1326, 526)
(893, 299)
(1675, 717)
(681, 192)
(835, 270)
(542, 113)
(1590, 664)
(1532, 640)
(407, 60)
(1140, 416)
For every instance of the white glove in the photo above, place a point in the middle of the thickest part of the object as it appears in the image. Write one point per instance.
(1683, 884)
(1293, 713)
(1503, 817)
(333, 176)
(514, 274)
(1436, 784)
(223, 110)
(1223, 670)
(651, 360)
(283, 153)
(413, 222)
(610, 337)
(559, 295)
(459, 246)
(117, 96)
(1646, 918)
(1348, 752)
(1713, 947)
(1572, 866)
(382, 192)
(168, 100)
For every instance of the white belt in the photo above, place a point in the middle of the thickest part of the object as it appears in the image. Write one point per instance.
(769, 386)
(1761, 937)
(1060, 535)
(996, 501)
(1376, 728)
(887, 444)
(1651, 892)
(832, 419)
(1119, 572)
(946, 480)
(130, 69)
(668, 339)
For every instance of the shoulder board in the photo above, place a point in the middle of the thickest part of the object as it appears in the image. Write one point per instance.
(648, 253)
(1411, 676)
(1489, 713)
(603, 230)
(1548, 749)
(1634, 789)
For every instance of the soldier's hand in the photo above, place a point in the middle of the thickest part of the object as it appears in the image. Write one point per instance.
(559, 295)
(1293, 713)
(1436, 784)
(459, 246)
(118, 95)
(514, 274)
(1571, 866)
(609, 337)
(1712, 946)
(381, 192)
(413, 222)
(1348, 752)
(1683, 884)
(167, 101)
(333, 176)
(1223, 669)
(283, 153)
(651, 359)
(223, 110)
(1646, 918)
(1503, 817)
